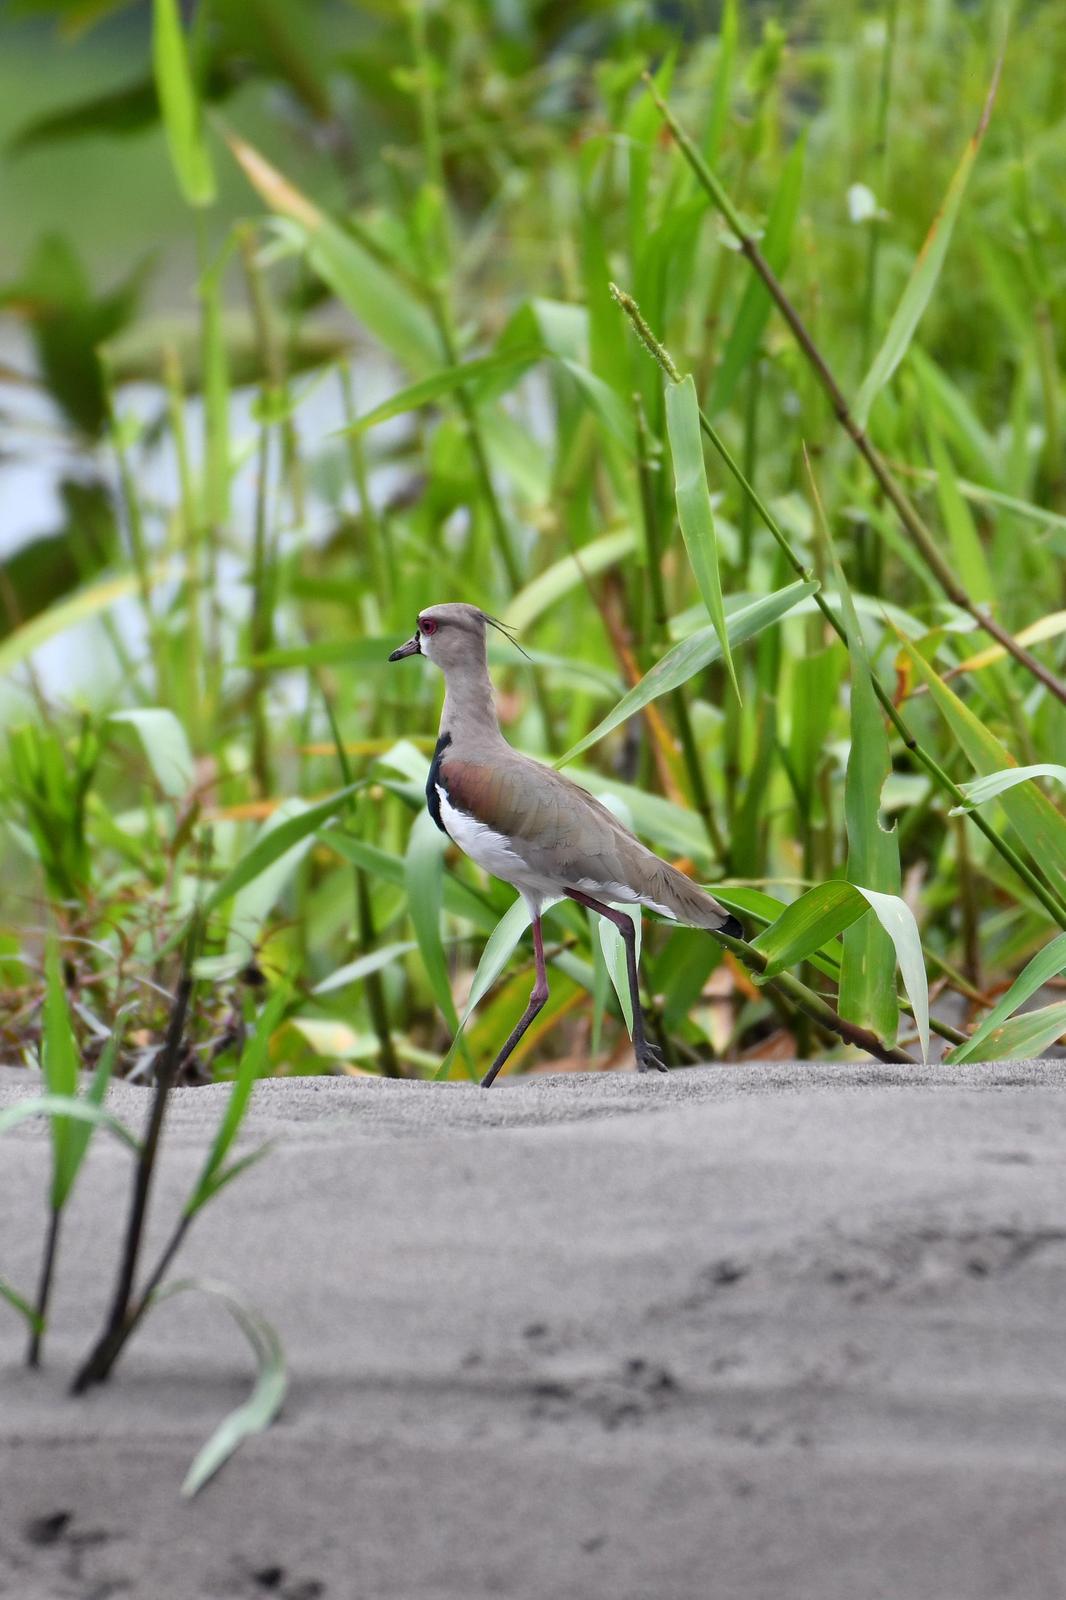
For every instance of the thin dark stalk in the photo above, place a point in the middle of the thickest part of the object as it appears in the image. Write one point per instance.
(98, 1365)
(44, 1287)
(1047, 898)
(905, 509)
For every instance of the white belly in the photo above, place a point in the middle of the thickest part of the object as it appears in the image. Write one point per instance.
(494, 852)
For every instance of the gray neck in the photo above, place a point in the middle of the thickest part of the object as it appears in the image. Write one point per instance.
(469, 704)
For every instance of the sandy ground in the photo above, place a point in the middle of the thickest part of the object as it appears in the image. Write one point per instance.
(786, 1333)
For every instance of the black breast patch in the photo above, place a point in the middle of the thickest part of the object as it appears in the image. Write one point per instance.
(432, 797)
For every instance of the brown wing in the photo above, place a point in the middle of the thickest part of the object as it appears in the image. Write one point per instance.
(568, 836)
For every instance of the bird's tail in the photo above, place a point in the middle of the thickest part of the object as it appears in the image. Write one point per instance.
(685, 900)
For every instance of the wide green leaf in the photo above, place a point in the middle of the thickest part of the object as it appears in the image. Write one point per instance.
(692, 655)
(60, 1061)
(82, 606)
(166, 746)
(867, 971)
(807, 926)
(809, 923)
(694, 506)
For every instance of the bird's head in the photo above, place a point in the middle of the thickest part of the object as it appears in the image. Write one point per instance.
(451, 636)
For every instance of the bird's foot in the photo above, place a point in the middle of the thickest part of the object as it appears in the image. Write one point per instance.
(649, 1058)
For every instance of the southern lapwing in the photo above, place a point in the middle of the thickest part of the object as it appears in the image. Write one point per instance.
(533, 827)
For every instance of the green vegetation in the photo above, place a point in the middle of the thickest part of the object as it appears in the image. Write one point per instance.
(737, 390)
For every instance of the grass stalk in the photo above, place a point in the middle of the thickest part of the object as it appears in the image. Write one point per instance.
(190, 529)
(44, 1286)
(121, 1320)
(921, 536)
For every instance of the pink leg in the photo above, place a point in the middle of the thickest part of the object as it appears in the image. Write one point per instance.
(536, 1001)
(647, 1055)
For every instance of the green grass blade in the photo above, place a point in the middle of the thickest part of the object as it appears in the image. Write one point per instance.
(692, 655)
(966, 548)
(867, 972)
(721, 94)
(1040, 827)
(179, 104)
(424, 870)
(256, 898)
(268, 1391)
(1023, 1036)
(216, 391)
(568, 573)
(1044, 966)
(374, 961)
(67, 1107)
(79, 1134)
(897, 921)
(329, 652)
(19, 1303)
(753, 314)
(60, 1061)
(607, 406)
(270, 847)
(808, 925)
(254, 1060)
(82, 606)
(448, 381)
(980, 790)
(925, 273)
(375, 297)
(459, 900)
(694, 506)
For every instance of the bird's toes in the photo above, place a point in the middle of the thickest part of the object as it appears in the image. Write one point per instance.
(649, 1059)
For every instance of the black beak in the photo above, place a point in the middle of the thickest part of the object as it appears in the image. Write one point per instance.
(411, 648)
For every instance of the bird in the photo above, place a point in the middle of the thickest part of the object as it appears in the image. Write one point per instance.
(532, 826)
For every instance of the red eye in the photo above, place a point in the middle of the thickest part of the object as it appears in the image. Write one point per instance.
(427, 625)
